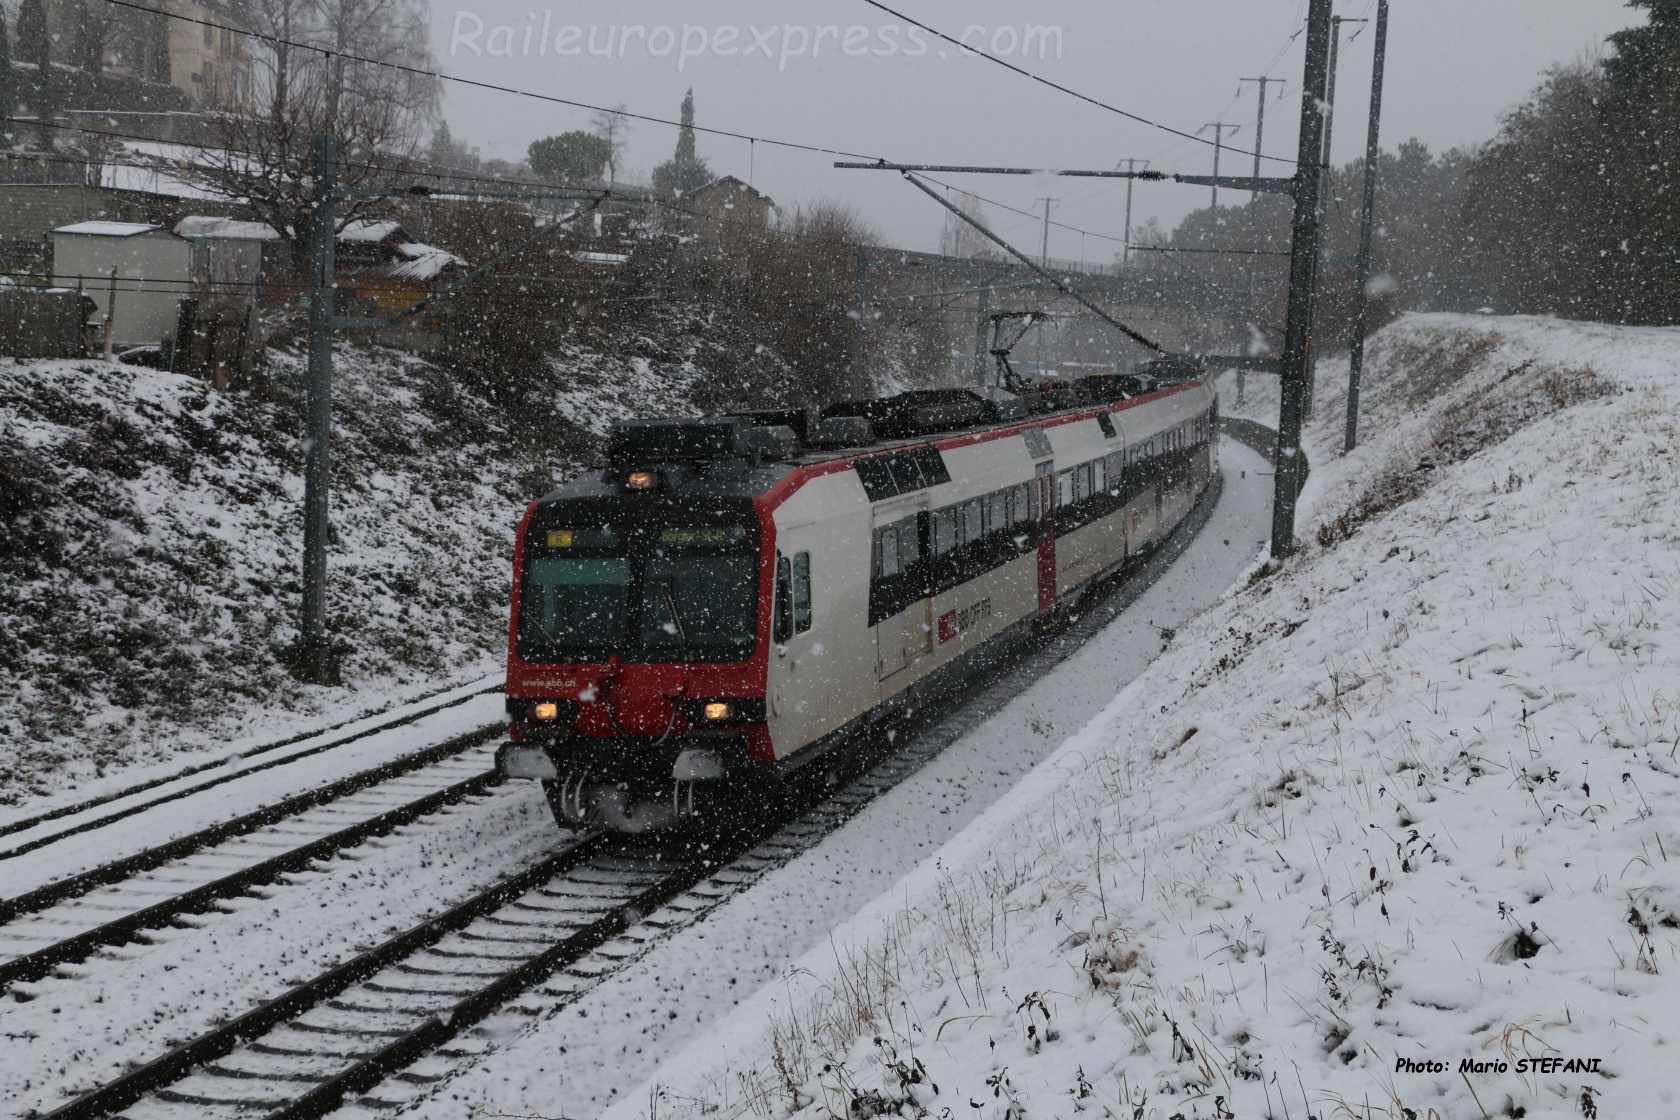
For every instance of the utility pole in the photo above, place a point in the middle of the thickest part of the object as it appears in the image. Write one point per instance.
(1367, 220)
(1220, 128)
(1303, 253)
(1324, 197)
(314, 655)
(1259, 116)
(1044, 250)
(1131, 169)
(1259, 140)
(313, 652)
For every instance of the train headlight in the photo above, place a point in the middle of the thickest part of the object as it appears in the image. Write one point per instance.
(641, 480)
(546, 711)
(719, 710)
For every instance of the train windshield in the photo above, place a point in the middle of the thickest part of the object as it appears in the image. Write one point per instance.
(647, 592)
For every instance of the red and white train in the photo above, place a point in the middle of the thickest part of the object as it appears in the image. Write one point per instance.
(733, 596)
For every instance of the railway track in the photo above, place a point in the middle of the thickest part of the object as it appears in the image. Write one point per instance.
(67, 920)
(24, 824)
(393, 1022)
(524, 947)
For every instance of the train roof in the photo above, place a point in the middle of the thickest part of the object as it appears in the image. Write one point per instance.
(746, 454)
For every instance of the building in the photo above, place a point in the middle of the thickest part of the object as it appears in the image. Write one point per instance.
(380, 266)
(209, 66)
(227, 255)
(138, 273)
(730, 208)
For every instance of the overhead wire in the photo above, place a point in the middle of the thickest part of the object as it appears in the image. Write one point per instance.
(1041, 80)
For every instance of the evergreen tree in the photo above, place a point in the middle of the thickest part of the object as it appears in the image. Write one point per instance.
(685, 171)
(34, 45)
(1641, 199)
(8, 90)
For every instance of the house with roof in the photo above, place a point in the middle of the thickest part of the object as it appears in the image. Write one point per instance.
(380, 266)
(136, 273)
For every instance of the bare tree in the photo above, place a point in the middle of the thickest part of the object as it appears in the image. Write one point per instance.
(306, 81)
(612, 126)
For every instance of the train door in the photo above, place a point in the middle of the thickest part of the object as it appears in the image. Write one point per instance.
(900, 608)
(1044, 505)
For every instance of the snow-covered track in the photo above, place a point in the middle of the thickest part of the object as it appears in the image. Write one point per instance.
(233, 773)
(301, 1053)
(34, 964)
(65, 919)
(558, 928)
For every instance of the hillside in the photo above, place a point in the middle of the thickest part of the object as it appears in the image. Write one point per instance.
(150, 534)
(1391, 832)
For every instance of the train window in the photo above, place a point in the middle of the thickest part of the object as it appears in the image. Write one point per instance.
(1082, 482)
(932, 465)
(971, 528)
(997, 512)
(801, 592)
(904, 472)
(783, 627)
(944, 531)
(1115, 469)
(888, 563)
(1020, 511)
(1064, 489)
(877, 478)
(909, 544)
(1099, 476)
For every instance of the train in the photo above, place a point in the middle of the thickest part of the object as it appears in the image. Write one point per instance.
(730, 598)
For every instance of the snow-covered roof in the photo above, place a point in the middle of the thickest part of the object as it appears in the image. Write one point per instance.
(422, 262)
(365, 230)
(205, 226)
(109, 229)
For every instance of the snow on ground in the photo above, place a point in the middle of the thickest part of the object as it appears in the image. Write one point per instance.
(578, 1060)
(93, 1019)
(150, 579)
(1390, 832)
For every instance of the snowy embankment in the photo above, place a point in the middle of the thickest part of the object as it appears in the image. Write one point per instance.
(1393, 831)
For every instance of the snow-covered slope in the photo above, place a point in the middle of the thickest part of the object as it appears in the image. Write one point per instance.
(1391, 832)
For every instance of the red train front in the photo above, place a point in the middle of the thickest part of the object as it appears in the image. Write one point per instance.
(639, 632)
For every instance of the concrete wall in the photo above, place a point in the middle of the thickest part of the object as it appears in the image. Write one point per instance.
(154, 272)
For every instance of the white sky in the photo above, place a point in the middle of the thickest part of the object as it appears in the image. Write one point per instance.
(1454, 66)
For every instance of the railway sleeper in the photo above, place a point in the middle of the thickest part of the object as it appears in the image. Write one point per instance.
(448, 969)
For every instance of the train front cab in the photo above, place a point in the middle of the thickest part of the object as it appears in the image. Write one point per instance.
(638, 639)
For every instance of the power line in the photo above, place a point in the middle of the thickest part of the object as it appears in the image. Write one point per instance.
(494, 87)
(1025, 73)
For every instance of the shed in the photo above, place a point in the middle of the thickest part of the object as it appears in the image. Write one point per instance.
(141, 271)
(227, 255)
